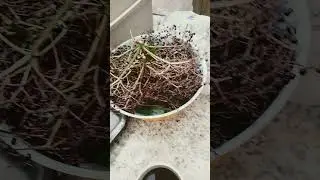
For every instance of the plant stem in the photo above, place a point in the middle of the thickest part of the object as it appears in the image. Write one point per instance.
(138, 50)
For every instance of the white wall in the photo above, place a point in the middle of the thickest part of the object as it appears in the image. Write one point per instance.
(172, 5)
(138, 20)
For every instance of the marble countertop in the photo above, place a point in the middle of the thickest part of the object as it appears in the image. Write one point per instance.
(182, 143)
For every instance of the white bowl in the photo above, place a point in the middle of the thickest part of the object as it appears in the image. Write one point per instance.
(203, 67)
(302, 21)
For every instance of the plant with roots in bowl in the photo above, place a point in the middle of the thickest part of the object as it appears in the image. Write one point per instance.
(156, 74)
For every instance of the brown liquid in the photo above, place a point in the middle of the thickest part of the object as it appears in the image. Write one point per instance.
(160, 174)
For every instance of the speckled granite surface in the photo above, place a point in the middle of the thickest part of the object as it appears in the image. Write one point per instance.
(288, 149)
(182, 143)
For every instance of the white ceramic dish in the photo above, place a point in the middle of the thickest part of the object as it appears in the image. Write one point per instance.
(302, 22)
(203, 68)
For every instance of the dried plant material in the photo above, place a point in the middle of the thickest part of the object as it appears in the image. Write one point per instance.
(53, 80)
(252, 58)
(157, 70)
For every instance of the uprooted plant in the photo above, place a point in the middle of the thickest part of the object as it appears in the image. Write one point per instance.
(253, 53)
(53, 79)
(253, 57)
(155, 70)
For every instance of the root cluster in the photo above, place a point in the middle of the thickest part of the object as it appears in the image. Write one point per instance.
(156, 70)
(53, 81)
(252, 57)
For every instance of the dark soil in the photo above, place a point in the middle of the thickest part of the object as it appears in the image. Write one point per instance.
(249, 67)
(59, 109)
